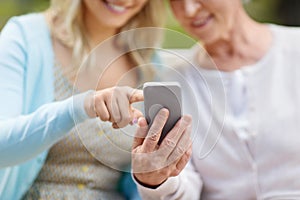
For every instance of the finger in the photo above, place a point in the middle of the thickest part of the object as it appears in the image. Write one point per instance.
(141, 133)
(101, 110)
(135, 95)
(183, 144)
(171, 140)
(124, 109)
(180, 165)
(113, 109)
(155, 130)
(136, 114)
(115, 125)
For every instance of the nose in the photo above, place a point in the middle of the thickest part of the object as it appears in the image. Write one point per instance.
(191, 7)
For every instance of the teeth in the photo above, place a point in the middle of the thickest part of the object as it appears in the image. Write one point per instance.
(199, 22)
(116, 7)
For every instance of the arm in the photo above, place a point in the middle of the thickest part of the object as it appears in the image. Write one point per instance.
(24, 136)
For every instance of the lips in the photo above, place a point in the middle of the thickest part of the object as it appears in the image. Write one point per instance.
(201, 21)
(118, 9)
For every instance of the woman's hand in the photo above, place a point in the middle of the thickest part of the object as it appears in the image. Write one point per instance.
(114, 105)
(153, 164)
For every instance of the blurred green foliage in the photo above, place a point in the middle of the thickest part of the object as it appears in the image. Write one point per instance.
(261, 10)
(9, 8)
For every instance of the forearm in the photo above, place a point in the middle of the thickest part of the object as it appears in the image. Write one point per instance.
(26, 136)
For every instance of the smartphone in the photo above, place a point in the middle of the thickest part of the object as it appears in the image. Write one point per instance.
(158, 95)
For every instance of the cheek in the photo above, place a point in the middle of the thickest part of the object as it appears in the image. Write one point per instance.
(91, 7)
(89, 4)
(225, 24)
(227, 16)
(178, 14)
(138, 9)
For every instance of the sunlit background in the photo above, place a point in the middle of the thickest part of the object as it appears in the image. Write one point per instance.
(284, 12)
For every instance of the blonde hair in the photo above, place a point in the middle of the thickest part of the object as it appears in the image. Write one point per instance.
(70, 13)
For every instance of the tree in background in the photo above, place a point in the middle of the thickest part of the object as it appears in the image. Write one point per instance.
(288, 12)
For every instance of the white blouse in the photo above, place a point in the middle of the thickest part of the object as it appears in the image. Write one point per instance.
(246, 139)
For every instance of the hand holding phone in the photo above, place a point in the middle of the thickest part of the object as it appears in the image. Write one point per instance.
(158, 95)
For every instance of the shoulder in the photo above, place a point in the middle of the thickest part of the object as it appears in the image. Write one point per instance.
(25, 43)
(176, 60)
(175, 57)
(28, 27)
(286, 42)
(178, 66)
(285, 30)
(286, 37)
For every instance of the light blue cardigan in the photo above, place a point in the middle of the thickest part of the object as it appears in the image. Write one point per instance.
(28, 129)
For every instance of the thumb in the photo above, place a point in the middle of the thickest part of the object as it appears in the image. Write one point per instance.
(136, 96)
(135, 115)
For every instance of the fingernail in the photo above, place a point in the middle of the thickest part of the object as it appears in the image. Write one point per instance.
(135, 121)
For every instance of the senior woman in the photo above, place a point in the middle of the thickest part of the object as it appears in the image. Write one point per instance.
(256, 155)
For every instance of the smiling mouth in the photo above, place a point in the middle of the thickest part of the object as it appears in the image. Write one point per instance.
(201, 22)
(115, 8)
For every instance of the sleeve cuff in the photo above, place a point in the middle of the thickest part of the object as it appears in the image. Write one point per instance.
(77, 109)
(169, 186)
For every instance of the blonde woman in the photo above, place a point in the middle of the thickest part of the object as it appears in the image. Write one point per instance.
(40, 55)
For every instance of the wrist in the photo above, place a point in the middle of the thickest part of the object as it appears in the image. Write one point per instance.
(148, 185)
(89, 104)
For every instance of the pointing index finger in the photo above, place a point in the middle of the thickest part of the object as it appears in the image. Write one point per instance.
(136, 96)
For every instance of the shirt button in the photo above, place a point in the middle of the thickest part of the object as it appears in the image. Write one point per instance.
(101, 132)
(80, 186)
(85, 169)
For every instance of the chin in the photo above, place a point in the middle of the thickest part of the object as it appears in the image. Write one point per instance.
(115, 25)
(207, 41)
(206, 38)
